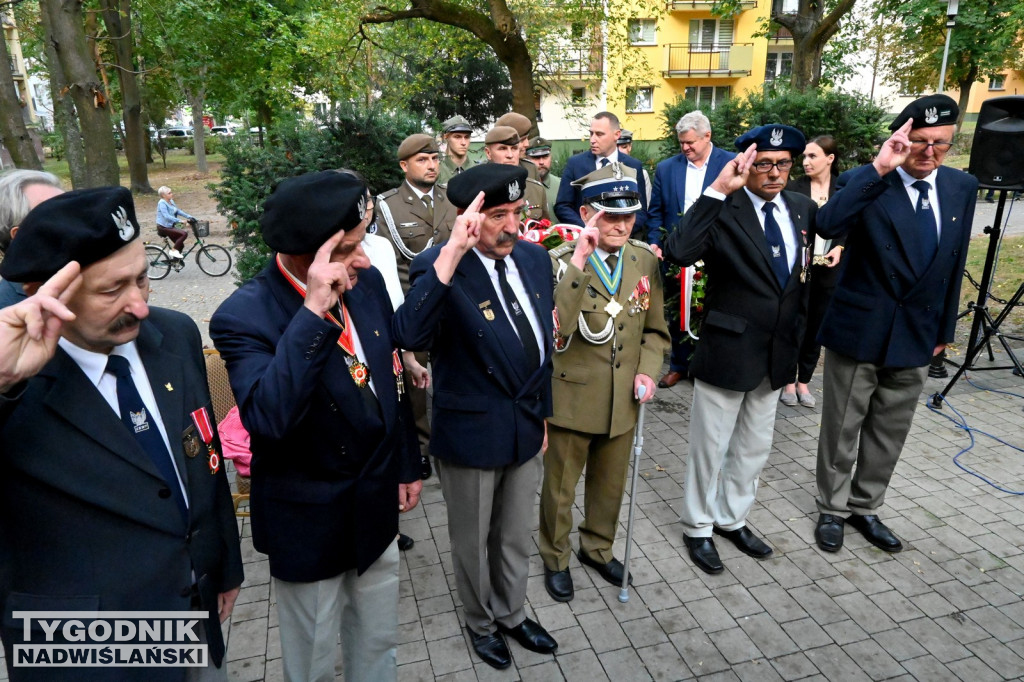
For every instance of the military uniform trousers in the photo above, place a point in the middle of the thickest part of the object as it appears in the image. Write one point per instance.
(607, 463)
(866, 414)
(489, 524)
(730, 440)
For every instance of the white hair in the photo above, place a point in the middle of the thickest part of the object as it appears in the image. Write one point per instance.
(13, 203)
(163, 191)
(695, 121)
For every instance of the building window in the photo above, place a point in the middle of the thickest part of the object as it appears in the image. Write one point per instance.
(778, 65)
(640, 100)
(710, 34)
(579, 97)
(708, 96)
(785, 6)
(997, 82)
(641, 31)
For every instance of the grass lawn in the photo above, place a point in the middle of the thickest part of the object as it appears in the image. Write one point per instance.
(1009, 275)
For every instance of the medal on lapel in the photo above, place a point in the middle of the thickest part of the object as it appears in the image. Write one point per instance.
(396, 365)
(201, 419)
(190, 442)
(613, 308)
(640, 299)
(360, 372)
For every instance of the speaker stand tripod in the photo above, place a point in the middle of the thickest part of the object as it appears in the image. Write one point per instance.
(983, 325)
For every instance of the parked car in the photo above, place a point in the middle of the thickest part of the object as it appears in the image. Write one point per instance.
(223, 131)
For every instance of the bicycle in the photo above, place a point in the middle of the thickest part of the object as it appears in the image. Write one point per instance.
(212, 259)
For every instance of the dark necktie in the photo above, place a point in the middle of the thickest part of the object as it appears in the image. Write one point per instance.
(429, 203)
(777, 247)
(927, 232)
(612, 260)
(603, 162)
(519, 319)
(138, 420)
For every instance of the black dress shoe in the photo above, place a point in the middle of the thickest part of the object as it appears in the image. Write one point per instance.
(703, 553)
(405, 542)
(746, 541)
(829, 532)
(875, 531)
(491, 649)
(611, 571)
(531, 636)
(558, 584)
(425, 469)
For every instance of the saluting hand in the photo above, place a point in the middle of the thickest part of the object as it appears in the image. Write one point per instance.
(895, 150)
(734, 174)
(586, 243)
(326, 281)
(465, 235)
(29, 330)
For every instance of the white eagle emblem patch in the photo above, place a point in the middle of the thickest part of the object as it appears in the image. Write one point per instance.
(125, 229)
(361, 206)
(931, 115)
(514, 191)
(139, 420)
(776, 138)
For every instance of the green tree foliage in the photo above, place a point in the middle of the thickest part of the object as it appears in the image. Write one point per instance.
(358, 138)
(988, 38)
(854, 121)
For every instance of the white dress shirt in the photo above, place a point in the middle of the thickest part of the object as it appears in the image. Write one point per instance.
(612, 158)
(522, 295)
(695, 181)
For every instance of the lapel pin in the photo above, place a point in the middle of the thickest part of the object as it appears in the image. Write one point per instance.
(489, 315)
(485, 304)
(168, 386)
(376, 333)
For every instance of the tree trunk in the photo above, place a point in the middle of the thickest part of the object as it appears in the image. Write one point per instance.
(12, 121)
(811, 29)
(117, 17)
(73, 54)
(196, 100)
(965, 86)
(64, 118)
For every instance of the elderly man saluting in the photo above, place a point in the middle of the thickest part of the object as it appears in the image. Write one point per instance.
(752, 236)
(611, 341)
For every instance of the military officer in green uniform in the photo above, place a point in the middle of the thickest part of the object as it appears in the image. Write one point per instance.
(539, 152)
(610, 339)
(417, 214)
(501, 145)
(523, 126)
(413, 217)
(456, 132)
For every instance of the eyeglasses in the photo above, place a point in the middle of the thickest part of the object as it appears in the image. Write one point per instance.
(765, 166)
(920, 145)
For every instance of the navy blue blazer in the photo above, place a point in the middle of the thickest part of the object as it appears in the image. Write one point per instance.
(487, 411)
(752, 326)
(887, 309)
(326, 462)
(86, 520)
(568, 200)
(668, 198)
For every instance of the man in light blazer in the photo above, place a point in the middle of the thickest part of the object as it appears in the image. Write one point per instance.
(604, 134)
(752, 236)
(907, 221)
(678, 183)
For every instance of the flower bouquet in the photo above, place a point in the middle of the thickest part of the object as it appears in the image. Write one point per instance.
(547, 235)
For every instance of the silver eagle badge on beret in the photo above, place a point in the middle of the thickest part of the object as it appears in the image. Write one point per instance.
(514, 191)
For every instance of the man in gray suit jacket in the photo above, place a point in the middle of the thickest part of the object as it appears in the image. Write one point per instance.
(113, 496)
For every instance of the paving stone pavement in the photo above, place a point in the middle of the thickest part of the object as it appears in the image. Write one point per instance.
(949, 607)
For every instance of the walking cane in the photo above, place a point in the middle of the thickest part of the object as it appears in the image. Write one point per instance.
(638, 446)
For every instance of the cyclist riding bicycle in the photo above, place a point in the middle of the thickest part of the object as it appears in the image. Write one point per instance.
(167, 213)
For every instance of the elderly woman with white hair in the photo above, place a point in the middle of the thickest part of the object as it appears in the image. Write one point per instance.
(167, 213)
(21, 190)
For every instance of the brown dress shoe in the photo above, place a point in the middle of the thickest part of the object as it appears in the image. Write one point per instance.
(670, 380)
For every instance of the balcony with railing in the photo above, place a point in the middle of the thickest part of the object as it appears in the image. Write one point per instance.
(702, 5)
(693, 60)
(574, 62)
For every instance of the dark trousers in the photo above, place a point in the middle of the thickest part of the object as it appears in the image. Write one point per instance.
(810, 349)
(175, 235)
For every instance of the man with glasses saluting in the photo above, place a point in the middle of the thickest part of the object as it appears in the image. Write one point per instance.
(752, 236)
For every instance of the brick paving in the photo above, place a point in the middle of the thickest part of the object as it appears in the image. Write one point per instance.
(949, 607)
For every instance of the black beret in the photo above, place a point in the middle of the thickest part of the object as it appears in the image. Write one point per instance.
(773, 137)
(928, 112)
(500, 183)
(305, 211)
(85, 225)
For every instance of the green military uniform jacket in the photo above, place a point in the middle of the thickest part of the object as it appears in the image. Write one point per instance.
(551, 184)
(592, 383)
(536, 200)
(447, 169)
(405, 221)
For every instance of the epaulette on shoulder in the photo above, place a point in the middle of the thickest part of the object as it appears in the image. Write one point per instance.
(536, 182)
(642, 244)
(562, 249)
(388, 194)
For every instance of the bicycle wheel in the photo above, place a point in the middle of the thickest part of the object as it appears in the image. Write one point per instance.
(159, 262)
(213, 260)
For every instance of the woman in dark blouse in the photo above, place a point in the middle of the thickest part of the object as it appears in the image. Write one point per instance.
(818, 183)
